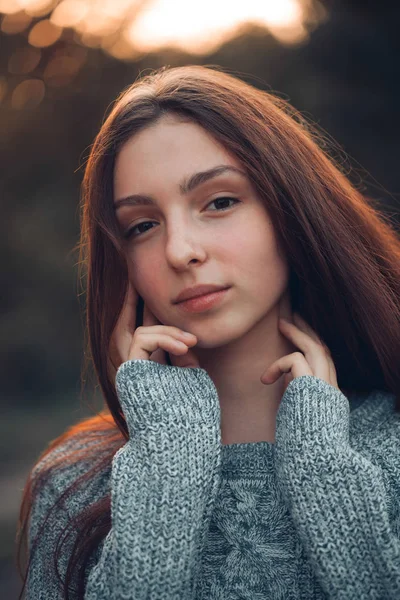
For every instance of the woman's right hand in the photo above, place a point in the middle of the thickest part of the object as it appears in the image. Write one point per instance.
(150, 341)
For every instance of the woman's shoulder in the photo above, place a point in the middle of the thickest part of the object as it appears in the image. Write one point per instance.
(375, 426)
(81, 457)
(373, 411)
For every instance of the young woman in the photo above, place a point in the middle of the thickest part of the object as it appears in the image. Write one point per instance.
(250, 444)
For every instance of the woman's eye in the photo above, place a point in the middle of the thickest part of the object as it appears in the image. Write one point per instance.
(130, 233)
(224, 198)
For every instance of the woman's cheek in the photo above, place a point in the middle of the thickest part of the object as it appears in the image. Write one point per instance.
(138, 278)
(148, 283)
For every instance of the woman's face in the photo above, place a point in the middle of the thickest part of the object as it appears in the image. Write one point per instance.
(191, 239)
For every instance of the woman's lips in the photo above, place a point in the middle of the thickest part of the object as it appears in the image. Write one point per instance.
(203, 303)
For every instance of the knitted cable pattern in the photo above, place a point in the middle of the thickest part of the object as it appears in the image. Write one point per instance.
(313, 516)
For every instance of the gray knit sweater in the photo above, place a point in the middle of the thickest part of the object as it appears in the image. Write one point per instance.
(315, 515)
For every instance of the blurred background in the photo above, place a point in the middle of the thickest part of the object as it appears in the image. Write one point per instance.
(62, 63)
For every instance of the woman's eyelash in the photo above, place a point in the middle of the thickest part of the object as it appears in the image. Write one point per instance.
(130, 231)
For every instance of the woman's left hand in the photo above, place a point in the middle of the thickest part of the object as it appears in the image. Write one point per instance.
(314, 357)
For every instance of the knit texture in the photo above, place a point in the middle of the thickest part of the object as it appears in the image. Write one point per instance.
(315, 515)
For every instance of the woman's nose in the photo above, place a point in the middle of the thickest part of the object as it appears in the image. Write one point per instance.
(183, 246)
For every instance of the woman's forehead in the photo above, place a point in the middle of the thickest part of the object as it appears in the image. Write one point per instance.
(172, 154)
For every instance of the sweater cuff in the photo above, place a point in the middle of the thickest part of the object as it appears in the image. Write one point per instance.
(153, 394)
(312, 414)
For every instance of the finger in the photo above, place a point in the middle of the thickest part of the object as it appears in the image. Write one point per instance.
(149, 320)
(294, 363)
(306, 327)
(303, 325)
(317, 356)
(144, 346)
(302, 340)
(127, 318)
(332, 374)
(124, 328)
(186, 360)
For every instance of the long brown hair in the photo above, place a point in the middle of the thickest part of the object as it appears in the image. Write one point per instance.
(344, 258)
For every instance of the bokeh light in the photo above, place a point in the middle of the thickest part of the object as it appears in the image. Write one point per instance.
(44, 33)
(146, 26)
(15, 22)
(119, 47)
(35, 8)
(38, 8)
(129, 29)
(202, 27)
(9, 7)
(3, 88)
(64, 66)
(69, 13)
(24, 60)
(28, 94)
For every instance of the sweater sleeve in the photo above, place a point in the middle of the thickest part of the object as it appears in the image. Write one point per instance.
(164, 481)
(339, 499)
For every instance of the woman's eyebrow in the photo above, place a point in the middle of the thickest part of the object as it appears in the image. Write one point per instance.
(186, 186)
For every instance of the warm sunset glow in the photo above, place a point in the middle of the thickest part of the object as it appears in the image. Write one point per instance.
(97, 23)
(9, 7)
(128, 29)
(120, 48)
(202, 27)
(69, 13)
(37, 8)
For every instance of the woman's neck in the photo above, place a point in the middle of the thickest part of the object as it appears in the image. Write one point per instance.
(248, 407)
